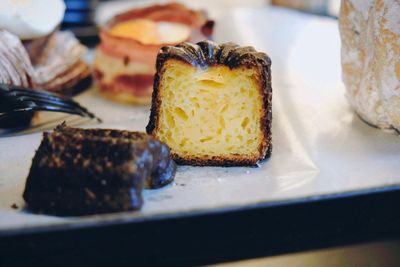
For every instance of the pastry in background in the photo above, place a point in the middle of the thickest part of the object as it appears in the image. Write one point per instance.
(370, 34)
(60, 67)
(124, 66)
(87, 171)
(212, 104)
(34, 53)
(15, 65)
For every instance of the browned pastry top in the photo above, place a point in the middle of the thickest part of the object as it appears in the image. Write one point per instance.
(207, 53)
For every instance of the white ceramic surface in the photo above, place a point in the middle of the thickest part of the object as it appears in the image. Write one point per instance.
(320, 145)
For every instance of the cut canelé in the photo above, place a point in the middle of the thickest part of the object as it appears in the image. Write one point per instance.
(212, 104)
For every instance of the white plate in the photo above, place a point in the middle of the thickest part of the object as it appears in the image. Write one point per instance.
(320, 145)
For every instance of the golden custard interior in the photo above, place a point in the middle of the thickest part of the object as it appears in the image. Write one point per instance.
(210, 112)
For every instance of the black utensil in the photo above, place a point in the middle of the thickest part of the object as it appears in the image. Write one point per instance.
(17, 105)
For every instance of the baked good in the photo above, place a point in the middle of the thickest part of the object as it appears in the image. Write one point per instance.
(212, 104)
(34, 53)
(161, 168)
(124, 64)
(60, 67)
(86, 171)
(15, 65)
(370, 34)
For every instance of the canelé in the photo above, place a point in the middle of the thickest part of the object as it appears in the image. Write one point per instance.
(211, 104)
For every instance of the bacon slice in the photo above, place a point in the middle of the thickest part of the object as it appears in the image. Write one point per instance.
(131, 51)
(135, 84)
(201, 28)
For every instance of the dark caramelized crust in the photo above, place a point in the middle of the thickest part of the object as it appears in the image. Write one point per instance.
(206, 54)
(162, 167)
(87, 171)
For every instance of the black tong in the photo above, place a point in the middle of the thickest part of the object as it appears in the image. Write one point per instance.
(17, 105)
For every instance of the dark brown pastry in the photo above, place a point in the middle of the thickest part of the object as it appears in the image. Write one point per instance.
(88, 171)
(212, 105)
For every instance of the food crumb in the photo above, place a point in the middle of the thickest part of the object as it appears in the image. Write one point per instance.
(14, 206)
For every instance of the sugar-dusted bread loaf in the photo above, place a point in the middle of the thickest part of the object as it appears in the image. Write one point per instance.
(370, 33)
(211, 104)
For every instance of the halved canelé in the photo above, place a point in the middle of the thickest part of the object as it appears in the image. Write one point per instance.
(211, 104)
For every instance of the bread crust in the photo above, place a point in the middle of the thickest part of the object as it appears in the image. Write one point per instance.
(370, 57)
(207, 54)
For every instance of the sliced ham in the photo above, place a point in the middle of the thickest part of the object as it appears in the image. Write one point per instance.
(127, 53)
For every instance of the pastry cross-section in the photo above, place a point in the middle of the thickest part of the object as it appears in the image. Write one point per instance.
(211, 104)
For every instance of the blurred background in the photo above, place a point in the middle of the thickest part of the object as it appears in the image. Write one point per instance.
(83, 16)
